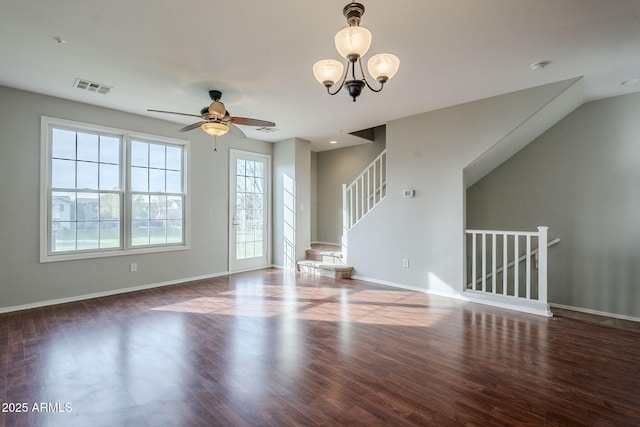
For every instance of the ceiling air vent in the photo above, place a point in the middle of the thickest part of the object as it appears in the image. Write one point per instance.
(266, 129)
(92, 86)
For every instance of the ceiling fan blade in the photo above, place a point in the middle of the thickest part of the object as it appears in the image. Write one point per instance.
(250, 122)
(173, 112)
(191, 127)
(235, 130)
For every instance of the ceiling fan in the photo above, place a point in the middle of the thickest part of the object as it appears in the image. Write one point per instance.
(216, 120)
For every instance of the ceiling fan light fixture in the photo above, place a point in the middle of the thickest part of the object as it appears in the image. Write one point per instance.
(217, 109)
(215, 128)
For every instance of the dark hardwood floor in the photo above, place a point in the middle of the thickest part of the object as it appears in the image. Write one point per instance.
(275, 348)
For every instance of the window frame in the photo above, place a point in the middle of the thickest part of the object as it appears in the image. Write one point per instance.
(126, 136)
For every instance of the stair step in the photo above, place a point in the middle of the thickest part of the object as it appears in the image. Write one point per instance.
(330, 254)
(336, 271)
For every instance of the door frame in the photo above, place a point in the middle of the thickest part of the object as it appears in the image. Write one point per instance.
(233, 155)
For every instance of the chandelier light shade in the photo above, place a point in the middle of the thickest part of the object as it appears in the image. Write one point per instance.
(328, 70)
(352, 43)
(383, 66)
(215, 128)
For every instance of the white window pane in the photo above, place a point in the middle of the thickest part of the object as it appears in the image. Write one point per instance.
(109, 177)
(109, 234)
(241, 185)
(157, 157)
(158, 206)
(157, 181)
(87, 207)
(174, 231)
(139, 153)
(259, 169)
(87, 235)
(63, 144)
(140, 207)
(63, 236)
(251, 185)
(139, 232)
(63, 173)
(174, 207)
(250, 168)
(256, 201)
(63, 206)
(139, 179)
(240, 167)
(157, 232)
(109, 207)
(87, 147)
(87, 175)
(174, 158)
(109, 149)
(240, 250)
(174, 182)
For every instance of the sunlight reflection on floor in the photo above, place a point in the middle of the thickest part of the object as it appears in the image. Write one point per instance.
(383, 307)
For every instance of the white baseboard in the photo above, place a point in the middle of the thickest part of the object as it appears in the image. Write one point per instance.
(467, 298)
(407, 287)
(107, 293)
(596, 312)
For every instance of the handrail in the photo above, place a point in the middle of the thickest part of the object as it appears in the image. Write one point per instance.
(364, 171)
(364, 192)
(534, 252)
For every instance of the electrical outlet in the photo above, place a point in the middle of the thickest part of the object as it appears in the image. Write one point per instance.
(133, 267)
(405, 263)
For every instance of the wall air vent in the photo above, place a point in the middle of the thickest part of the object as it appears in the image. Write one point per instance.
(92, 86)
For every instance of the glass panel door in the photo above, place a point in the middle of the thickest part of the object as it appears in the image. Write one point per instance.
(249, 210)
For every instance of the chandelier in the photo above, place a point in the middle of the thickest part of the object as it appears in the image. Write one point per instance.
(352, 43)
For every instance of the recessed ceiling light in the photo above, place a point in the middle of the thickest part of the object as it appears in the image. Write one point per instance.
(539, 65)
(333, 142)
(629, 82)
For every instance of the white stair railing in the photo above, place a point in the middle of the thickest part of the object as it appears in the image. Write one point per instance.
(494, 258)
(364, 192)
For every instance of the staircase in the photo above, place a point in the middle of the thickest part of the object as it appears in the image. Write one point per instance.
(325, 260)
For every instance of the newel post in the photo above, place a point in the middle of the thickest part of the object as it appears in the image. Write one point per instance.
(542, 264)
(345, 222)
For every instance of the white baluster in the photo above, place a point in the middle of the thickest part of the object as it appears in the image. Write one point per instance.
(542, 264)
(493, 263)
(528, 267)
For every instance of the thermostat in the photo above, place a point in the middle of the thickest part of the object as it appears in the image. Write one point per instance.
(409, 193)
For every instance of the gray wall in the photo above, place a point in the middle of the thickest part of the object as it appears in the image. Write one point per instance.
(292, 218)
(428, 153)
(582, 179)
(334, 168)
(23, 280)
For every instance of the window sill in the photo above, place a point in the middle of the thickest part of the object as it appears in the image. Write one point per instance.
(45, 258)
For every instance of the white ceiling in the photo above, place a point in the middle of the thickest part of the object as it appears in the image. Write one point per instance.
(166, 54)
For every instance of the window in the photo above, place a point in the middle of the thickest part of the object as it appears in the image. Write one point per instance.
(108, 192)
(156, 194)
